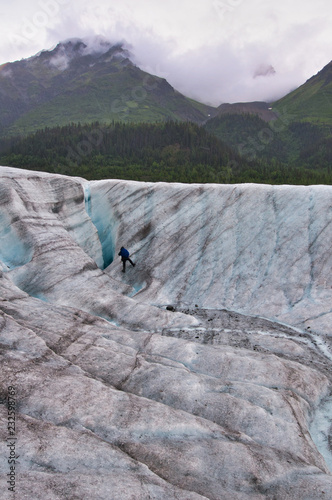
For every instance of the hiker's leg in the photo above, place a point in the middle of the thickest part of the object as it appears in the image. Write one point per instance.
(123, 265)
(131, 262)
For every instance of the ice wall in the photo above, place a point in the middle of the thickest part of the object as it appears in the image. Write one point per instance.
(262, 250)
(100, 213)
(70, 235)
(259, 250)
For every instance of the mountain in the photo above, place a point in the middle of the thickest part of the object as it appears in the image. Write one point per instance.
(295, 130)
(77, 82)
(96, 81)
(312, 101)
(261, 109)
(148, 384)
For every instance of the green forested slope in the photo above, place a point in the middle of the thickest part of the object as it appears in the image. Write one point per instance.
(312, 101)
(168, 151)
(69, 84)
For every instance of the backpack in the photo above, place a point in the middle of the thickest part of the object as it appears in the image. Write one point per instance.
(124, 253)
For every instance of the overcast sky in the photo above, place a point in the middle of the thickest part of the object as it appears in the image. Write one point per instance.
(213, 50)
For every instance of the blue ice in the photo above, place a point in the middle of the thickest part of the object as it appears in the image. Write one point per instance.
(100, 213)
(14, 252)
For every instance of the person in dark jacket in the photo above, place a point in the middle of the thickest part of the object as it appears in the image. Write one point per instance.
(124, 254)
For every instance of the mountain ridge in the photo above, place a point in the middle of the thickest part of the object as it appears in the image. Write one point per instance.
(84, 82)
(312, 101)
(96, 80)
(295, 130)
(261, 109)
(74, 82)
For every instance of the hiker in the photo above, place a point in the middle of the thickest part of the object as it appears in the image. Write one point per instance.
(124, 254)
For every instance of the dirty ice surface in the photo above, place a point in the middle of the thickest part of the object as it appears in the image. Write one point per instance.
(226, 395)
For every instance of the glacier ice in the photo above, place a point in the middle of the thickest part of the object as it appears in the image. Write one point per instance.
(226, 397)
(100, 213)
(321, 430)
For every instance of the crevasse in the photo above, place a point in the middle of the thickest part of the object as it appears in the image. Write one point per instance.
(101, 214)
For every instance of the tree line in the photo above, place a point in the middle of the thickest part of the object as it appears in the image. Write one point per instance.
(166, 151)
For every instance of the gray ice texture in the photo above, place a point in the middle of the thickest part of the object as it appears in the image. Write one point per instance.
(225, 395)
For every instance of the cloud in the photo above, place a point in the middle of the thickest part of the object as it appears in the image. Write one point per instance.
(60, 61)
(208, 49)
(6, 72)
(69, 49)
(264, 70)
(221, 74)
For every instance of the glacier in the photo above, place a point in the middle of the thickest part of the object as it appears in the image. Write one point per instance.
(224, 395)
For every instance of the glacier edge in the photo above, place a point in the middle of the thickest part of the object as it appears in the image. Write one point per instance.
(212, 400)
